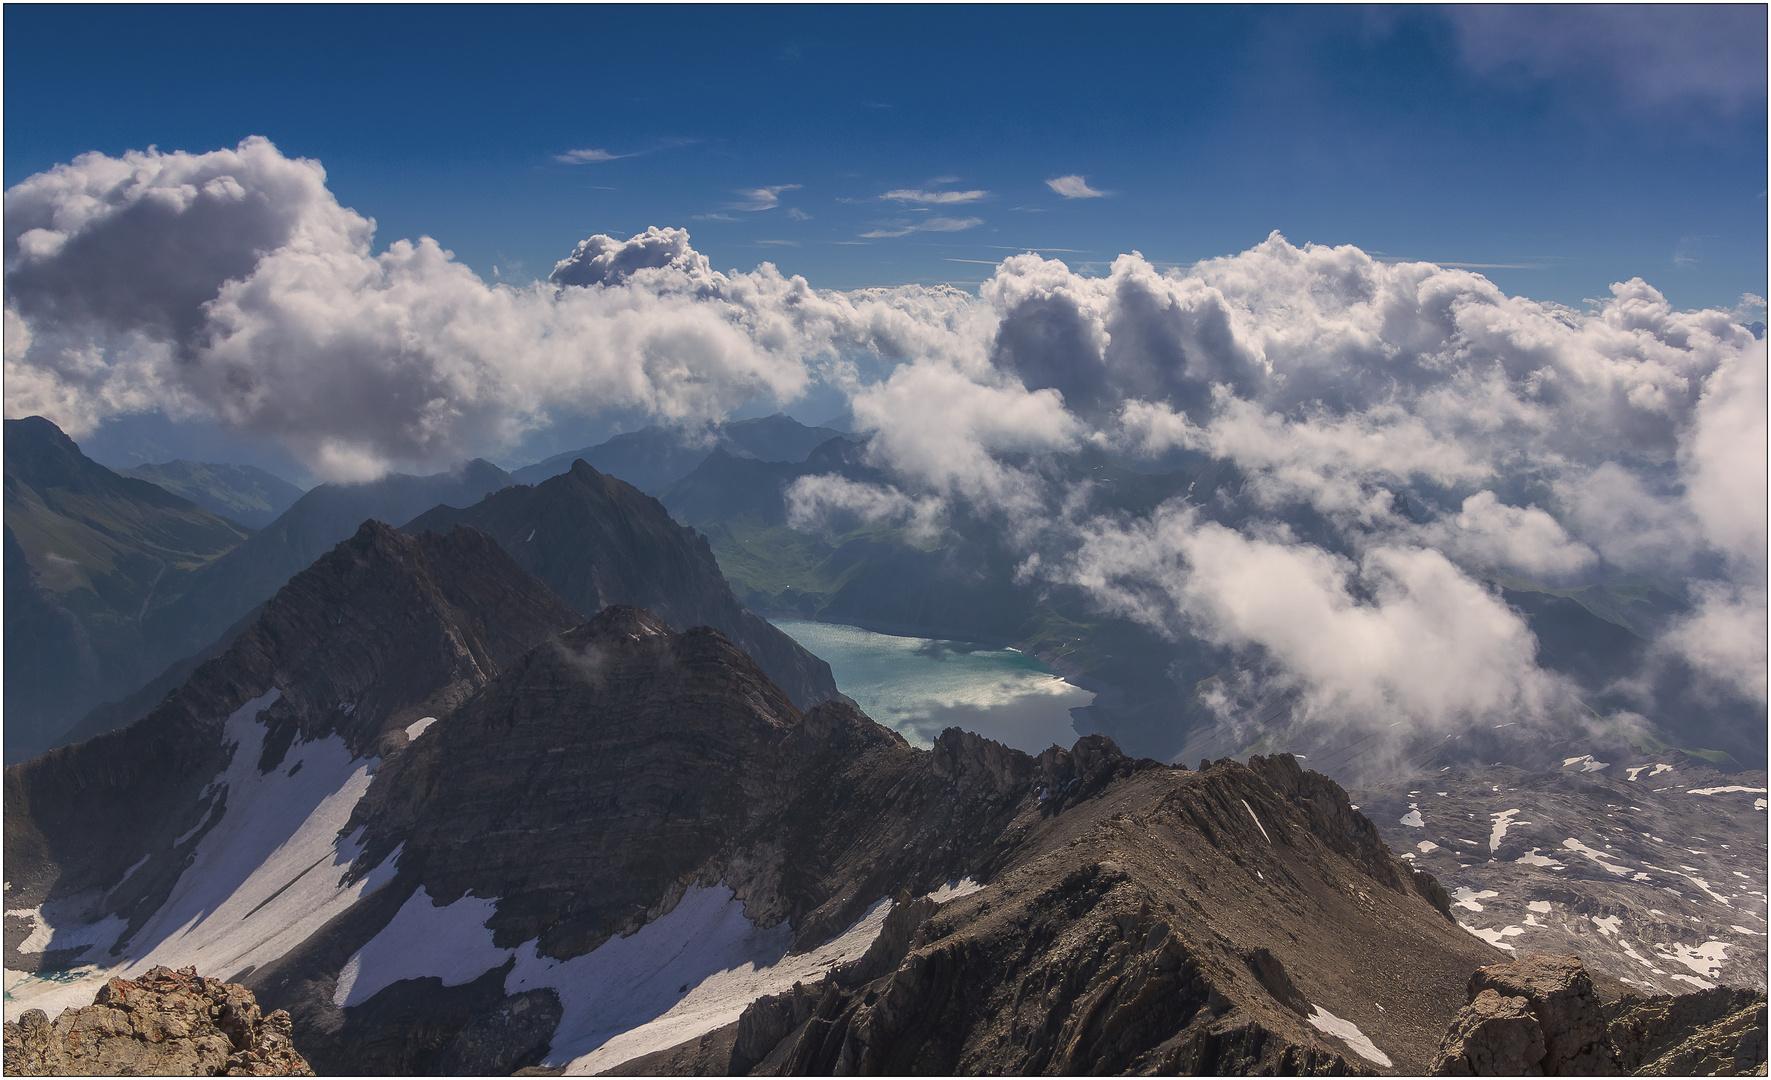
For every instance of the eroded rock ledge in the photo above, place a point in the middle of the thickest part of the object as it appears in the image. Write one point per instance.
(1544, 1016)
(166, 1023)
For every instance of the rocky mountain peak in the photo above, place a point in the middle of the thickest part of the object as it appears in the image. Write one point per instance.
(597, 541)
(619, 621)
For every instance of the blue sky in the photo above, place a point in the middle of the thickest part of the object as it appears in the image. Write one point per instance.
(1556, 150)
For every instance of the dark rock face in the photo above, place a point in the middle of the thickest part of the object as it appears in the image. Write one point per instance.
(1118, 934)
(1493, 1036)
(617, 719)
(327, 515)
(166, 1023)
(597, 541)
(1543, 1016)
(1718, 1032)
(1561, 998)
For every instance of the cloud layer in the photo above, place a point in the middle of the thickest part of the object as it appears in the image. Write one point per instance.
(232, 285)
(1386, 438)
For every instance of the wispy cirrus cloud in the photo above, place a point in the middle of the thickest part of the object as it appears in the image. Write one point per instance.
(588, 157)
(593, 155)
(1073, 187)
(761, 198)
(1650, 56)
(939, 198)
(937, 224)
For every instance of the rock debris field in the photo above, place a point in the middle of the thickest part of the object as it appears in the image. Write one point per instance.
(1654, 874)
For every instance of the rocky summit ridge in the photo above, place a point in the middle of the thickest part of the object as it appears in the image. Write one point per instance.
(450, 827)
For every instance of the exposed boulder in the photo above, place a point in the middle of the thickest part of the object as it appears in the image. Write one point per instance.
(1542, 1016)
(165, 1023)
(1560, 995)
(1494, 1036)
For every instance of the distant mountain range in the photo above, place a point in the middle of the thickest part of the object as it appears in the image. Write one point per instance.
(90, 556)
(88, 658)
(242, 493)
(652, 457)
(115, 613)
(965, 582)
(249, 575)
(412, 795)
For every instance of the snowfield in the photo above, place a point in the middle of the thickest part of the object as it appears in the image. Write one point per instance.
(266, 875)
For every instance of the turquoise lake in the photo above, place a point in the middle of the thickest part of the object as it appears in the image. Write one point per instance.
(920, 686)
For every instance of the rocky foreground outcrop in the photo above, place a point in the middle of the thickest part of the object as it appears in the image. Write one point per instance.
(165, 1023)
(1545, 1016)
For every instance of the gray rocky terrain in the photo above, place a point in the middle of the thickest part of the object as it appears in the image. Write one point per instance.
(1653, 872)
(409, 810)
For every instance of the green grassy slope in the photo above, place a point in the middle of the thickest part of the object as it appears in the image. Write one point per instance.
(241, 493)
(91, 554)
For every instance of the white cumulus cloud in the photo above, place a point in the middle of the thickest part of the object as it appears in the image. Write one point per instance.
(1073, 187)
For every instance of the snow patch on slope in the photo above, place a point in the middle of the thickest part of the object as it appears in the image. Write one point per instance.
(953, 890)
(423, 939)
(1348, 1032)
(266, 875)
(1705, 959)
(1467, 897)
(622, 1000)
(1257, 821)
(1604, 860)
(1497, 938)
(1502, 821)
(57, 925)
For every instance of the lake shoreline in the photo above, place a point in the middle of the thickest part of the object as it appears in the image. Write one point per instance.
(918, 685)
